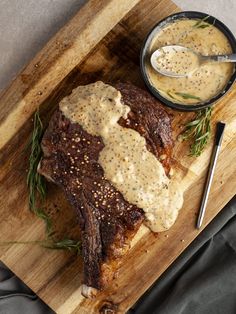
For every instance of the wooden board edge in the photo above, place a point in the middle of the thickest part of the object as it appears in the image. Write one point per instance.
(66, 50)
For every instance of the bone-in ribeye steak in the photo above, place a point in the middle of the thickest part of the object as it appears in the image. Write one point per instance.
(107, 221)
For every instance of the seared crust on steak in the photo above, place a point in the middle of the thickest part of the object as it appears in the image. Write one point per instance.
(148, 118)
(107, 221)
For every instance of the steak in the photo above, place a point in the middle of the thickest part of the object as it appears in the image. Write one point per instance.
(70, 159)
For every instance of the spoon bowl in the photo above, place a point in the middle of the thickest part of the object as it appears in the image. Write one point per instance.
(179, 61)
(168, 61)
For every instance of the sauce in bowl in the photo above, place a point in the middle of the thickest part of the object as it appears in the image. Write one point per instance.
(202, 84)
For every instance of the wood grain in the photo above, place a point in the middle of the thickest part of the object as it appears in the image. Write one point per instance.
(92, 46)
(64, 52)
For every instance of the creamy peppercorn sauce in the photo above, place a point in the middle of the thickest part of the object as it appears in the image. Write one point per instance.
(180, 62)
(209, 79)
(126, 162)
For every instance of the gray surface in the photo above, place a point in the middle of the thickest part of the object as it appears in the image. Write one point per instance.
(16, 298)
(224, 10)
(25, 27)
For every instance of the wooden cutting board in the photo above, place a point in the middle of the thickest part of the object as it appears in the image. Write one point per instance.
(102, 42)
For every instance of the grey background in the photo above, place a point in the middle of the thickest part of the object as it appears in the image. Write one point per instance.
(26, 25)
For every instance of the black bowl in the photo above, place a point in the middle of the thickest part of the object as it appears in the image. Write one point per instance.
(183, 15)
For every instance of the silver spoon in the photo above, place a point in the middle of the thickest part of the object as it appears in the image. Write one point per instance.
(197, 60)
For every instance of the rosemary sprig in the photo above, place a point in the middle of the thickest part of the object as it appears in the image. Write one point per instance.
(35, 182)
(37, 187)
(201, 24)
(198, 132)
(170, 95)
(65, 244)
(187, 96)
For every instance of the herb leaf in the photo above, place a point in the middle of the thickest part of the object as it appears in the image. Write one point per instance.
(35, 182)
(192, 123)
(203, 25)
(68, 244)
(37, 187)
(198, 132)
(187, 96)
(65, 244)
(170, 95)
(200, 23)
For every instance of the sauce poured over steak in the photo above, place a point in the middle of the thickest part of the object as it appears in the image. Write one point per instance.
(108, 222)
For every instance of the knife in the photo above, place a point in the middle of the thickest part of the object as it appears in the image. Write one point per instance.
(215, 153)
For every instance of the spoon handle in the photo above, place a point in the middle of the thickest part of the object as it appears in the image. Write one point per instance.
(223, 58)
